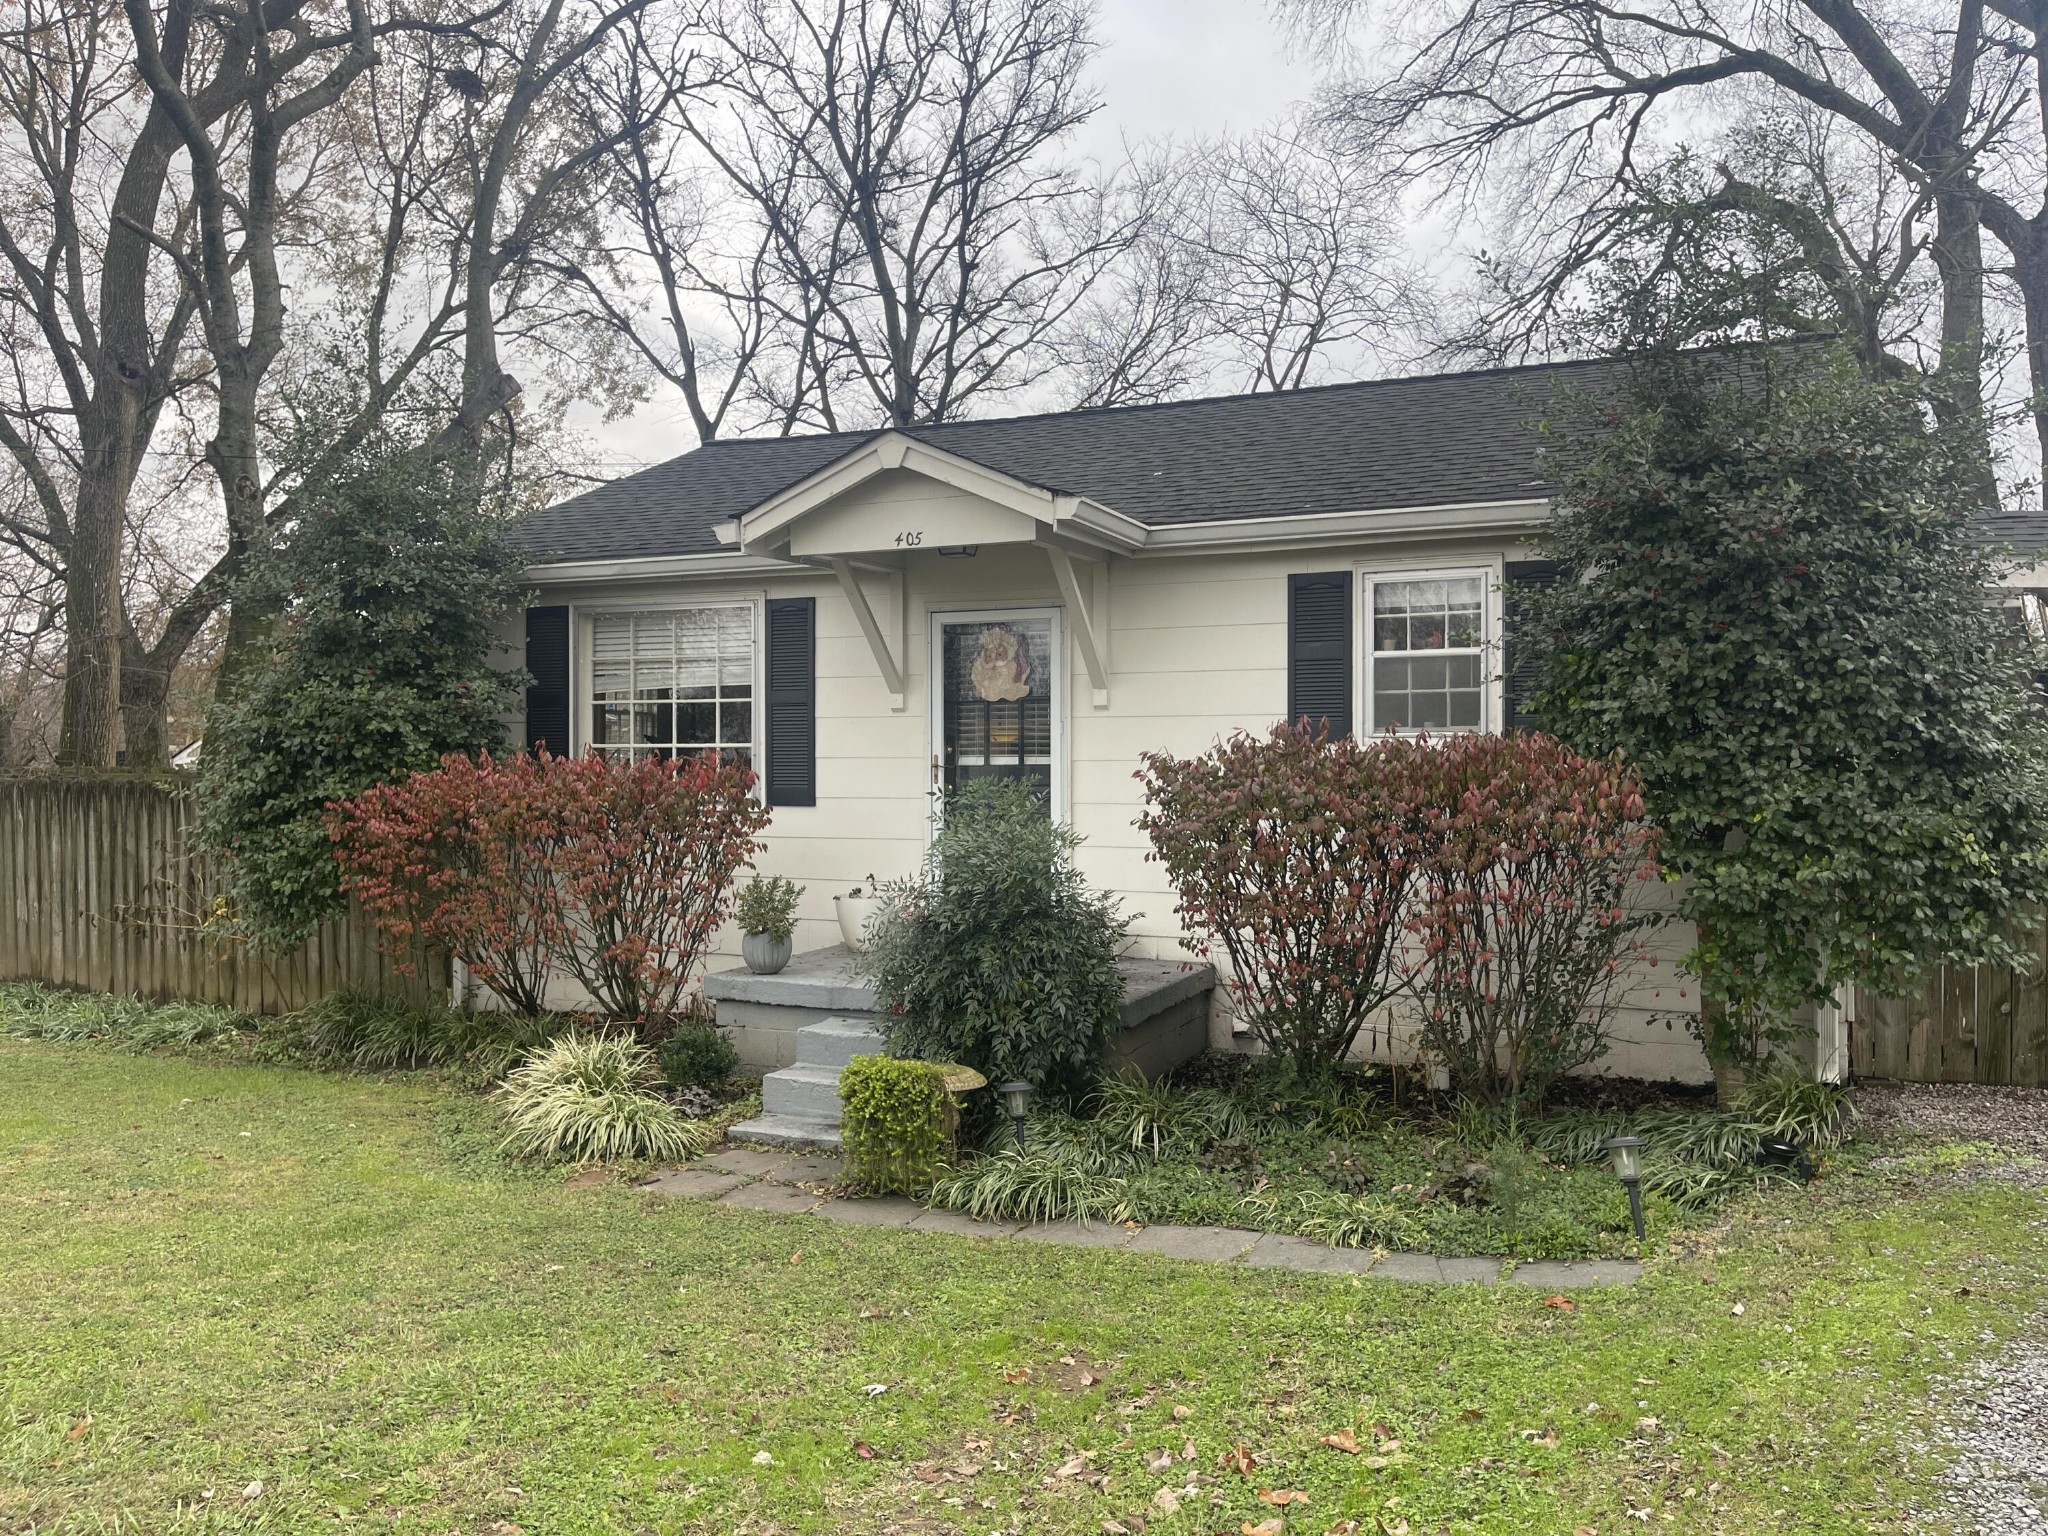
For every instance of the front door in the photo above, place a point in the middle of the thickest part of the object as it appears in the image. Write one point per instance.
(999, 700)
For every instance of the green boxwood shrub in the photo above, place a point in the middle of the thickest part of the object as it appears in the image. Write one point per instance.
(697, 1055)
(997, 954)
(895, 1123)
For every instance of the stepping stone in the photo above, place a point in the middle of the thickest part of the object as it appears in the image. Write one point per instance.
(1552, 1275)
(1074, 1234)
(889, 1211)
(963, 1224)
(749, 1162)
(1281, 1250)
(696, 1183)
(1212, 1243)
(778, 1199)
(812, 1168)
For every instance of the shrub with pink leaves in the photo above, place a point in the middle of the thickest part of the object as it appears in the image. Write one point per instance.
(1295, 855)
(619, 873)
(1527, 908)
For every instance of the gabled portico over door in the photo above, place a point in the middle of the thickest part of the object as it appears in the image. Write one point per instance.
(999, 699)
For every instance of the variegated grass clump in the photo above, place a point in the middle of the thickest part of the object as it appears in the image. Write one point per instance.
(586, 1098)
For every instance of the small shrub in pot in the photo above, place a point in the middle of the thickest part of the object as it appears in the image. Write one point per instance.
(766, 913)
(997, 955)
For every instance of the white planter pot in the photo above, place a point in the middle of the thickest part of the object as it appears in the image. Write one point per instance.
(855, 913)
(765, 956)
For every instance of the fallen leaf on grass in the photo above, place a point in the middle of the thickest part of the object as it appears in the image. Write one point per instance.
(1237, 1459)
(1166, 1501)
(1344, 1440)
(1159, 1460)
(1585, 1530)
(253, 1491)
(1343, 1528)
(875, 1388)
(1398, 1528)
(1547, 1438)
(863, 1450)
(1392, 1458)
(1282, 1496)
(79, 1430)
(1017, 1377)
(1263, 1528)
(1182, 1413)
(1562, 1303)
(764, 1458)
(797, 1257)
(1187, 1452)
(1073, 1466)
(1473, 1414)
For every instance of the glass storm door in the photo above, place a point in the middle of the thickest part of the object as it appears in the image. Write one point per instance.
(998, 705)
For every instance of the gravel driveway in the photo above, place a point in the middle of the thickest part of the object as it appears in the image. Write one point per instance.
(1995, 1414)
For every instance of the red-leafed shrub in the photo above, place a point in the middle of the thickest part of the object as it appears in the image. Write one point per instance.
(1526, 859)
(1295, 854)
(462, 858)
(649, 853)
(618, 872)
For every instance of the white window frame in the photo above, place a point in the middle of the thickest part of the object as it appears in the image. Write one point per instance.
(583, 686)
(1493, 700)
(935, 700)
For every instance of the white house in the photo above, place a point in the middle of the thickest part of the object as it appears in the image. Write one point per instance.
(874, 616)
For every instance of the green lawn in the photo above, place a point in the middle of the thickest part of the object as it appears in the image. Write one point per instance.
(218, 1275)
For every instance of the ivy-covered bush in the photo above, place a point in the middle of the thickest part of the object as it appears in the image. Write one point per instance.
(997, 954)
(1782, 624)
(1295, 854)
(1529, 865)
(621, 872)
(389, 588)
(895, 1123)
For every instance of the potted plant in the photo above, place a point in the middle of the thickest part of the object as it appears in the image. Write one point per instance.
(856, 909)
(767, 919)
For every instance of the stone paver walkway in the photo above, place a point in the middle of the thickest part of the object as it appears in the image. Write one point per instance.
(800, 1184)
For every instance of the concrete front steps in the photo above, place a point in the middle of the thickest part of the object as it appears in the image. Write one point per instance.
(800, 1102)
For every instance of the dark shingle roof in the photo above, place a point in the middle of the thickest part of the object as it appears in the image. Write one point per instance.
(1445, 438)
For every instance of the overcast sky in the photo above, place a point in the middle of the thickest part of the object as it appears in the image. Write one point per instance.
(1177, 68)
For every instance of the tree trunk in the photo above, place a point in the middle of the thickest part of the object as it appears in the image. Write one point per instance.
(2030, 272)
(1958, 252)
(93, 616)
(145, 688)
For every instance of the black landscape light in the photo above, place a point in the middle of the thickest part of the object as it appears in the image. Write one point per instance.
(1627, 1152)
(1017, 1100)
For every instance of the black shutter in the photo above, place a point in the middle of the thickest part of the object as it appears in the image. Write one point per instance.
(1319, 651)
(1518, 661)
(547, 662)
(792, 771)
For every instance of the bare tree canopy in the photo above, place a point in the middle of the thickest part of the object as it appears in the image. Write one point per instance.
(1553, 105)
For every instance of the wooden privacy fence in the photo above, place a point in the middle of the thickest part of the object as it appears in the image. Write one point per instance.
(104, 888)
(1983, 1024)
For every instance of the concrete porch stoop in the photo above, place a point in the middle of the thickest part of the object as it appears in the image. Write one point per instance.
(800, 1102)
(802, 1024)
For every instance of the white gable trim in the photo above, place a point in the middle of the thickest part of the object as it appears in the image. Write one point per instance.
(764, 529)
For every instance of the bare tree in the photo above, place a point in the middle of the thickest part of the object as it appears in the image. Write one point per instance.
(1307, 267)
(1557, 104)
(854, 211)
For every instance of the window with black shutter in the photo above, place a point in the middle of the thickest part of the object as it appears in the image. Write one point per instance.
(1518, 662)
(792, 745)
(1319, 650)
(547, 663)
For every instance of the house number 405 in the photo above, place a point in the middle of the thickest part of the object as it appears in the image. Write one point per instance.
(909, 540)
